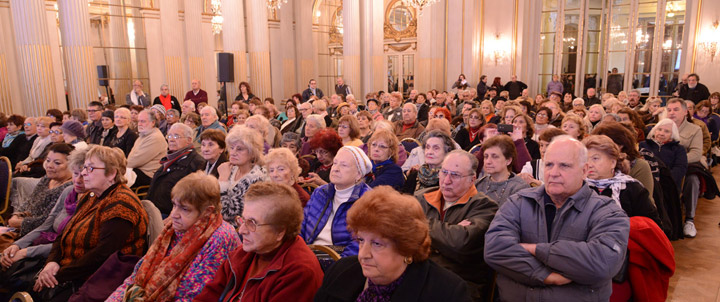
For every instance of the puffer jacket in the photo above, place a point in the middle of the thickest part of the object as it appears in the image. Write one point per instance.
(672, 154)
(587, 245)
(317, 213)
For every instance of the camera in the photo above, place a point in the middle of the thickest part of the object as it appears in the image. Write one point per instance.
(505, 128)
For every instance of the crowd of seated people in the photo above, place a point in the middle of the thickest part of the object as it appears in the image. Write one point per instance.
(464, 194)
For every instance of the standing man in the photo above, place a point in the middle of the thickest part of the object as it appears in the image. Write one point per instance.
(591, 98)
(137, 95)
(196, 95)
(168, 101)
(341, 87)
(560, 241)
(459, 216)
(514, 87)
(312, 90)
(555, 85)
(94, 129)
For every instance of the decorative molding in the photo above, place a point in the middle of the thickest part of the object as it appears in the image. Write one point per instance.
(336, 37)
(400, 48)
(392, 33)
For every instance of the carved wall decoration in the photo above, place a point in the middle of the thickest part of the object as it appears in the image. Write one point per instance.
(400, 21)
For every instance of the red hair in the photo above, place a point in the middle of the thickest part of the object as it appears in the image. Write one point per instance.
(327, 139)
(445, 112)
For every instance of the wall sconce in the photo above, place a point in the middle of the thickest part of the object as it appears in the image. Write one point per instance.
(498, 48)
(710, 40)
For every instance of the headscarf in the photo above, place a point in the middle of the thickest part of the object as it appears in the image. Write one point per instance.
(363, 163)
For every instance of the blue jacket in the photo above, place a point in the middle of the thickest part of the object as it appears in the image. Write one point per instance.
(317, 213)
(387, 175)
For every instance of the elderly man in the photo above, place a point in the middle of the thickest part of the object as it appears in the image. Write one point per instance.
(94, 129)
(341, 87)
(305, 111)
(168, 101)
(560, 241)
(409, 126)
(187, 107)
(514, 87)
(137, 96)
(412, 96)
(692, 139)
(149, 148)
(335, 100)
(459, 216)
(694, 90)
(181, 160)
(591, 98)
(208, 120)
(393, 112)
(634, 100)
(312, 90)
(196, 95)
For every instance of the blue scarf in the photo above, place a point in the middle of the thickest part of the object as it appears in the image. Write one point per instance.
(376, 166)
(9, 137)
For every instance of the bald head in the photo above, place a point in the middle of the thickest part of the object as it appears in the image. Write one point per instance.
(195, 84)
(565, 166)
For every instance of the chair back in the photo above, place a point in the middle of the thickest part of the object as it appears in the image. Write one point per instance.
(325, 255)
(155, 221)
(141, 191)
(5, 182)
(21, 297)
(409, 143)
(475, 149)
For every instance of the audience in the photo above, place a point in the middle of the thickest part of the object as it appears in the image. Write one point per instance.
(383, 153)
(149, 148)
(14, 142)
(499, 182)
(282, 167)
(213, 150)
(664, 141)
(436, 145)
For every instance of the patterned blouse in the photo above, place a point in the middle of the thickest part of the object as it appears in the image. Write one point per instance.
(201, 270)
(232, 194)
(40, 204)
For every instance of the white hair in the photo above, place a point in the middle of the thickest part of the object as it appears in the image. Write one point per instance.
(317, 119)
(674, 129)
(184, 129)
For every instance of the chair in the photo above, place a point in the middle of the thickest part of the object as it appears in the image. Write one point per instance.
(5, 182)
(475, 148)
(141, 191)
(409, 143)
(155, 221)
(309, 187)
(325, 255)
(21, 297)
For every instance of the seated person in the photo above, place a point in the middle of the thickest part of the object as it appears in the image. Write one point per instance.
(325, 145)
(149, 148)
(282, 167)
(31, 166)
(22, 260)
(664, 141)
(273, 263)
(182, 159)
(436, 145)
(499, 182)
(212, 149)
(459, 216)
(324, 215)
(409, 126)
(383, 153)
(392, 263)
(532, 171)
(192, 246)
(119, 224)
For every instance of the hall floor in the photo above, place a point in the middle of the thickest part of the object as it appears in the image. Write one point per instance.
(697, 273)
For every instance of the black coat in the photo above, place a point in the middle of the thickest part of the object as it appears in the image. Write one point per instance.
(308, 93)
(165, 179)
(463, 139)
(672, 154)
(635, 200)
(422, 281)
(125, 142)
(18, 150)
(696, 95)
(214, 171)
(173, 102)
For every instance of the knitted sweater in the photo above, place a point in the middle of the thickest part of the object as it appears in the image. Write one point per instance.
(40, 204)
(148, 150)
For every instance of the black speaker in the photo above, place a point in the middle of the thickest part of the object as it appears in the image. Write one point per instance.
(226, 67)
(103, 75)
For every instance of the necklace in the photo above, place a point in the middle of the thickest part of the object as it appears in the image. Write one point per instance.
(489, 182)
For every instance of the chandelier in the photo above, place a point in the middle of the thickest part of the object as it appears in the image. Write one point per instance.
(419, 4)
(217, 19)
(275, 4)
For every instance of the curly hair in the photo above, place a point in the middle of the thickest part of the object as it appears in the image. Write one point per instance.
(285, 211)
(327, 139)
(396, 217)
(606, 145)
(445, 112)
(622, 136)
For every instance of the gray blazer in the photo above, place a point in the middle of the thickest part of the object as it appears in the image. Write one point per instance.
(143, 100)
(587, 245)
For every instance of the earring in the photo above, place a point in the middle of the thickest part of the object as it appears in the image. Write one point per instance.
(408, 260)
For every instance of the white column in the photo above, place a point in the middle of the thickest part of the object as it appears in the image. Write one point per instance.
(77, 52)
(34, 54)
(193, 42)
(172, 45)
(305, 51)
(258, 40)
(287, 33)
(372, 17)
(430, 36)
(351, 47)
(154, 44)
(233, 35)
(10, 94)
(119, 66)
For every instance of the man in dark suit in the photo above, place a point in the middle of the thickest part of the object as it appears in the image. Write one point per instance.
(137, 95)
(694, 90)
(312, 90)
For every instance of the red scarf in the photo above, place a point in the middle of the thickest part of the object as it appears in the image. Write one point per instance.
(166, 101)
(159, 275)
(473, 133)
(406, 126)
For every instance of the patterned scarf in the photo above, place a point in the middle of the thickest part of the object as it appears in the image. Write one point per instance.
(378, 293)
(161, 272)
(616, 184)
(70, 207)
(428, 177)
(9, 137)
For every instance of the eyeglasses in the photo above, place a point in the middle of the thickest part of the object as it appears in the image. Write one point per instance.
(376, 145)
(474, 117)
(454, 176)
(250, 224)
(542, 114)
(174, 136)
(321, 152)
(28, 124)
(93, 110)
(90, 169)
(55, 132)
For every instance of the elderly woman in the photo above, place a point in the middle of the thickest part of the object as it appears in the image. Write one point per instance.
(499, 182)
(417, 156)
(73, 133)
(664, 141)
(274, 263)
(468, 136)
(392, 264)
(383, 153)
(349, 131)
(26, 256)
(651, 111)
(525, 124)
(508, 114)
(487, 109)
(325, 144)
(283, 168)
(542, 121)
(261, 124)
(109, 130)
(36, 209)
(606, 168)
(243, 168)
(110, 219)
(56, 134)
(532, 171)
(574, 126)
(703, 112)
(631, 118)
(212, 149)
(149, 148)
(364, 121)
(436, 145)
(124, 137)
(324, 217)
(193, 244)
(14, 141)
(596, 113)
(294, 118)
(35, 156)
(313, 124)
